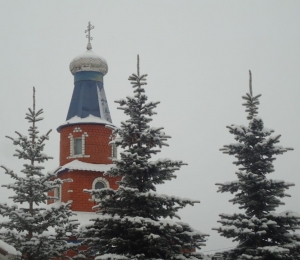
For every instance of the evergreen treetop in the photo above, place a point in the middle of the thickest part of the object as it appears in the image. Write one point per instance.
(36, 232)
(262, 234)
(134, 221)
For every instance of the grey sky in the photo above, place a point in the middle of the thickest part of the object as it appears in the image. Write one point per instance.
(197, 55)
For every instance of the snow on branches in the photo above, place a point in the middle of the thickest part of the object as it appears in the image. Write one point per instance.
(132, 220)
(261, 233)
(36, 232)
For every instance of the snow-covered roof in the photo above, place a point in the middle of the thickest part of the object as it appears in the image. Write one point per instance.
(83, 166)
(90, 119)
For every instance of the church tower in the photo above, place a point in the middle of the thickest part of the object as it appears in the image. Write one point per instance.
(85, 152)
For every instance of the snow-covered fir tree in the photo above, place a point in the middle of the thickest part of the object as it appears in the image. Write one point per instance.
(134, 222)
(261, 232)
(36, 231)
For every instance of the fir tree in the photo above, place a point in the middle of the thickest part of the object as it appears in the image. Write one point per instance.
(131, 222)
(261, 233)
(37, 232)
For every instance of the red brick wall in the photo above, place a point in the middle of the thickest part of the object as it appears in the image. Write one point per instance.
(72, 253)
(51, 193)
(97, 147)
(74, 190)
(96, 143)
(82, 180)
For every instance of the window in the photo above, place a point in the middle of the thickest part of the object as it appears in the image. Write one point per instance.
(113, 151)
(77, 146)
(99, 185)
(57, 194)
(113, 146)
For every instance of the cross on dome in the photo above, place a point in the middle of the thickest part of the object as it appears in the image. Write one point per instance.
(88, 30)
(89, 61)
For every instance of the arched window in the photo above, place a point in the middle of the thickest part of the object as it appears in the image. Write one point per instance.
(99, 185)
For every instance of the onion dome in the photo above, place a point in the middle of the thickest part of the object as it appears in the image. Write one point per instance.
(89, 61)
(88, 104)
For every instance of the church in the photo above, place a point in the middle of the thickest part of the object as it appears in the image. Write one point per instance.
(85, 153)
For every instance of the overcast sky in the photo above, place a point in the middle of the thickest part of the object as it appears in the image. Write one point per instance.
(197, 55)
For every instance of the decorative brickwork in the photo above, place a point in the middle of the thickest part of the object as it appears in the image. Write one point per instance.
(72, 144)
(100, 179)
(87, 143)
(82, 180)
(95, 139)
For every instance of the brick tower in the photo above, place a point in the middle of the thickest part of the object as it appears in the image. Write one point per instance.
(85, 153)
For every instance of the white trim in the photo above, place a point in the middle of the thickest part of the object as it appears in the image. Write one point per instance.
(113, 147)
(114, 151)
(72, 148)
(77, 129)
(71, 145)
(100, 179)
(78, 156)
(57, 193)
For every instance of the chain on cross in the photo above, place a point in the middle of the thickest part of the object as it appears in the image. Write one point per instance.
(88, 31)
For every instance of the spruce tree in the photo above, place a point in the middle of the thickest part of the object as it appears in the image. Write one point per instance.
(36, 231)
(261, 232)
(134, 222)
